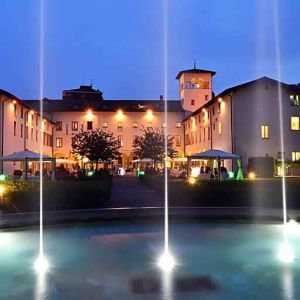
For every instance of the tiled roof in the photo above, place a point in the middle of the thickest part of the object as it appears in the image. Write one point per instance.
(195, 71)
(106, 105)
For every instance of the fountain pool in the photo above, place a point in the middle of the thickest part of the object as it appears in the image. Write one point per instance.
(116, 261)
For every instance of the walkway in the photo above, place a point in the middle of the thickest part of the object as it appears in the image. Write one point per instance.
(129, 192)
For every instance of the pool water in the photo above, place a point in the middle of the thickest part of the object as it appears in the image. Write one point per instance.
(118, 261)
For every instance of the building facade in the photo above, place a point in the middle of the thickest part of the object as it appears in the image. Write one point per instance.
(248, 119)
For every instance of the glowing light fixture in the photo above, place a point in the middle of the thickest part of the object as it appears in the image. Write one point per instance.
(14, 101)
(90, 173)
(31, 112)
(2, 177)
(220, 99)
(192, 180)
(286, 254)
(89, 114)
(166, 262)
(252, 175)
(2, 190)
(120, 115)
(230, 174)
(203, 110)
(149, 114)
(41, 265)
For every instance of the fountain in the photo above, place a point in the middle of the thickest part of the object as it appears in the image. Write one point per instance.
(285, 254)
(41, 264)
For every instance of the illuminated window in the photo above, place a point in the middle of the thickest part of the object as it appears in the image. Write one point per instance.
(219, 128)
(74, 126)
(134, 124)
(105, 125)
(296, 156)
(58, 142)
(120, 124)
(295, 123)
(295, 100)
(59, 126)
(15, 128)
(192, 102)
(89, 125)
(120, 140)
(178, 124)
(178, 140)
(265, 131)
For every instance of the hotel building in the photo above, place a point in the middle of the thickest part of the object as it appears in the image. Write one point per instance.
(243, 119)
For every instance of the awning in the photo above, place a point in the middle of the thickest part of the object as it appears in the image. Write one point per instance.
(214, 153)
(25, 155)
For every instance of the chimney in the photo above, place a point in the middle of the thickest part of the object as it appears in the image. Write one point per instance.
(161, 97)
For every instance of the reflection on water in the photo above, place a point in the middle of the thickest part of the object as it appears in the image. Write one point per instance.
(288, 283)
(41, 292)
(167, 285)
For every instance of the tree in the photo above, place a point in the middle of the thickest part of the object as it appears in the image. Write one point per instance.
(151, 144)
(95, 145)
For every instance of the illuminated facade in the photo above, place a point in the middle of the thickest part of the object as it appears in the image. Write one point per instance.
(243, 119)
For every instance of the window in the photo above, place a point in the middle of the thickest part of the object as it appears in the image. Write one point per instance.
(295, 100)
(177, 140)
(219, 128)
(219, 107)
(163, 125)
(22, 112)
(120, 124)
(203, 134)
(21, 130)
(134, 124)
(15, 128)
(265, 131)
(36, 135)
(213, 110)
(15, 109)
(295, 123)
(89, 125)
(206, 97)
(120, 140)
(59, 126)
(178, 125)
(192, 102)
(26, 132)
(74, 126)
(37, 121)
(296, 156)
(208, 132)
(58, 142)
(105, 125)
(31, 134)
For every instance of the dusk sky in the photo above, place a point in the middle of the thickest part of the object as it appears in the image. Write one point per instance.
(120, 44)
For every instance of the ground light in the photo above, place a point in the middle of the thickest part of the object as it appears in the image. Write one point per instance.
(166, 262)
(192, 180)
(41, 264)
(252, 175)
